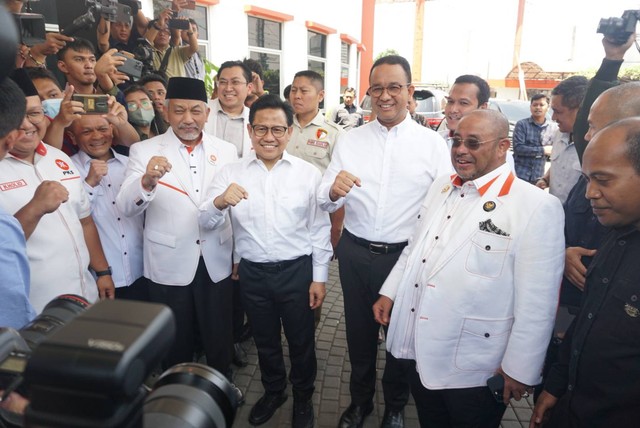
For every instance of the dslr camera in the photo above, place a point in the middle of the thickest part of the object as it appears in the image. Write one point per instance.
(86, 368)
(619, 29)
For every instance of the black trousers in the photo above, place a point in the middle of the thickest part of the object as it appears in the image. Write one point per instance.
(203, 306)
(138, 290)
(362, 273)
(274, 296)
(455, 408)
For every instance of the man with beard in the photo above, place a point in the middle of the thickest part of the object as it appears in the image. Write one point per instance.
(168, 178)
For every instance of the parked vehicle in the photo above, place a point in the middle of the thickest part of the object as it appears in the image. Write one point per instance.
(430, 103)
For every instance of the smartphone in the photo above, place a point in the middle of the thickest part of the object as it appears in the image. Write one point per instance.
(496, 386)
(179, 24)
(131, 66)
(93, 104)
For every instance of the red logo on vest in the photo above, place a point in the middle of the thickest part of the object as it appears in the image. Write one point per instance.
(62, 164)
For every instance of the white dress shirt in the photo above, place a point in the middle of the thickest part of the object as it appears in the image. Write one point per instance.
(280, 219)
(396, 168)
(121, 236)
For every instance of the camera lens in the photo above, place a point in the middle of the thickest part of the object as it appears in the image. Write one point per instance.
(57, 313)
(190, 395)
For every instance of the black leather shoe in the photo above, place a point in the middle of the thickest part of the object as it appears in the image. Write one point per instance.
(239, 356)
(354, 416)
(392, 419)
(266, 407)
(302, 413)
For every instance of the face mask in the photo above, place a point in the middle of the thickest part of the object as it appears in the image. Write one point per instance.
(141, 117)
(51, 107)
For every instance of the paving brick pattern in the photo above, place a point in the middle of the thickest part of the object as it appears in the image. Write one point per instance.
(332, 384)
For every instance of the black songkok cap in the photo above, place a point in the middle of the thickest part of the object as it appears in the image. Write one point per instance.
(20, 76)
(185, 88)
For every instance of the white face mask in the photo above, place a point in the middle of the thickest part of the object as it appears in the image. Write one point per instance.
(51, 107)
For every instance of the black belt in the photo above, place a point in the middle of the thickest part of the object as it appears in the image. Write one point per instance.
(376, 247)
(274, 267)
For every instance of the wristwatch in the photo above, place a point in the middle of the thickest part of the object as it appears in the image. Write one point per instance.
(104, 272)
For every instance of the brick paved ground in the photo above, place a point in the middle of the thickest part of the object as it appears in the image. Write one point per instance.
(332, 385)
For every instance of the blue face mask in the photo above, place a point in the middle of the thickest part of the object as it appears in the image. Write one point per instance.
(51, 107)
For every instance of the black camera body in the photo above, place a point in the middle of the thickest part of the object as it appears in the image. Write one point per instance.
(90, 372)
(31, 28)
(619, 29)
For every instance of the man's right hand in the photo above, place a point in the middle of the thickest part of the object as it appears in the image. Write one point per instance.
(231, 197)
(48, 196)
(382, 310)
(574, 270)
(157, 167)
(540, 415)
(615, 52)
(342, 185)
(97, 169)
(69, 110)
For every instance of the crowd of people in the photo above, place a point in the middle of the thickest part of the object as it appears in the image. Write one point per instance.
(229, 209)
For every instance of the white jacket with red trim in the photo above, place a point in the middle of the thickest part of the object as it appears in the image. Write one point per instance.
(173, 239)
(489, 298)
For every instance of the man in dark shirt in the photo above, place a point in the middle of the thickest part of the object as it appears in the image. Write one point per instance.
(595, 382)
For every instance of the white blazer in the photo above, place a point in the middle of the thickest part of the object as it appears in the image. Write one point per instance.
(490, 300)
(173, 239)
(212, 124)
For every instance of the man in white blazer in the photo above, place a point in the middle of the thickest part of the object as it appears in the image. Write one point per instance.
(168, 178)
(475, 292)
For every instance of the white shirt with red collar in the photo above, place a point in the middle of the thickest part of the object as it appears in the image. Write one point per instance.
(58, 254)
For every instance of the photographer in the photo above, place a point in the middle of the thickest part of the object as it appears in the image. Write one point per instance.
(36, 56)
(169, 60)
(122, 35)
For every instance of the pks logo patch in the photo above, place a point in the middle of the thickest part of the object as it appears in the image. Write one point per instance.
(321, 134)
(62, 164)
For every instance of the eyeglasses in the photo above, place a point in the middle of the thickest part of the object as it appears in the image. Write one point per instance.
(133, 106)
(470, 143)
(392, 90)
(233, 83)
(276, 131)
(35, 116)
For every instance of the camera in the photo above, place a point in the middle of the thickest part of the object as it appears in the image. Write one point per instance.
(144, 53)
(619, 29)
(31, 28)
(110, 10)
(131, 66)
(16, 346)
(91, 372)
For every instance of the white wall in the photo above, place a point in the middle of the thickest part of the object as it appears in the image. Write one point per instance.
(228, 35)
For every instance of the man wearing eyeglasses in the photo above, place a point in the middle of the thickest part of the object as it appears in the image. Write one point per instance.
(379, 173)
(42, 188)
(475, 292)
(282, 238)
(229, 117)
(228, 121)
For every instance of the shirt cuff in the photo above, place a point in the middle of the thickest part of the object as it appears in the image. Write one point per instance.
(320, 273)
